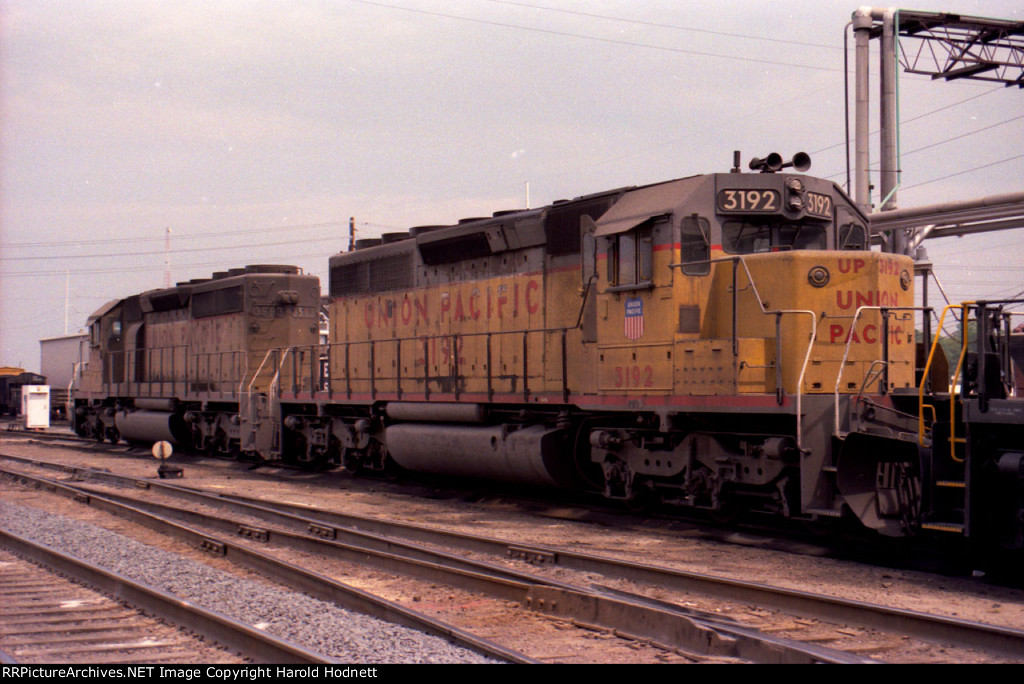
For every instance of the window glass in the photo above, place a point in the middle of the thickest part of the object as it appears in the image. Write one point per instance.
(613, 261)
(627, 258)
(741, 237)
(802, 236)
(645, 256)
(852, 236)
(744, 237)
(695, 250)
(631, 256)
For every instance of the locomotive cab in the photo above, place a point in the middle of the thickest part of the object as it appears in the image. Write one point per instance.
(753, 296)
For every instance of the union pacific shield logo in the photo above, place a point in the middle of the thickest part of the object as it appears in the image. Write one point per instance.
(634, 320)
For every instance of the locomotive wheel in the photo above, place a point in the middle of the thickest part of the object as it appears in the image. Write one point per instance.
(352, 461)
(879, 479)
(220, 444)
(318, 461)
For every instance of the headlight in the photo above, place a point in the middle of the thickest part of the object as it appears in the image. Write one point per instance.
(818, 276)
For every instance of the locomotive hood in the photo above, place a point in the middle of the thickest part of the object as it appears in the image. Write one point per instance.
(645, 203)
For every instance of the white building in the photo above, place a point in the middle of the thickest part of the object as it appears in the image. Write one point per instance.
(59, 357)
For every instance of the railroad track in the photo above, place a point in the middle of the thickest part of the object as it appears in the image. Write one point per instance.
(401, 548)
(45, 617)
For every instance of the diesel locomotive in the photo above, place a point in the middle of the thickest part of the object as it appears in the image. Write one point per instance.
(724, 342)
(192, 364)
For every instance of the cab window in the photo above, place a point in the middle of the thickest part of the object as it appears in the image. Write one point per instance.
(695, 247)
(631, 257)
(749, 237)
(852, 236)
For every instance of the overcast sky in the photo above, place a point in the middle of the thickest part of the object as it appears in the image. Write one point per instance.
(254, 130)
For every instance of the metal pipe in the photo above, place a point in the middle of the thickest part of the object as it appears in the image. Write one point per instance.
(862, 23)
(889, 179)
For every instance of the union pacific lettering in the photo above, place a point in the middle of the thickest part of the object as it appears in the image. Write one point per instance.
(853, 299)
(870, 272)
(886, 265)
(493, 302)
(866, 334)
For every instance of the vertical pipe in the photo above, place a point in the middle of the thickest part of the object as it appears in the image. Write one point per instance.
(862, 23)
(887, 83)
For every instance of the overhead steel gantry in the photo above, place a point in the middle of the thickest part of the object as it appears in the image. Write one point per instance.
(943, 46)
(951, 46)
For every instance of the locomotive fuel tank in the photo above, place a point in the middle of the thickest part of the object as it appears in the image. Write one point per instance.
(507, 453)
(151, 426)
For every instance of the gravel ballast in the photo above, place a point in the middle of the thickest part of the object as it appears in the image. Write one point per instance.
(319, 626)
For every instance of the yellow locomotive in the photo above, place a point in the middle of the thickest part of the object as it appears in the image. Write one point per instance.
(723, 342)
(709, 341)
(193, 364)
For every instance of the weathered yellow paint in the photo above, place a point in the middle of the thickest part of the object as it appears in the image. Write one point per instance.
(454, 333)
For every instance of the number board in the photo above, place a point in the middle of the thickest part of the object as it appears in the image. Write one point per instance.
(749, 201)
(819, 205)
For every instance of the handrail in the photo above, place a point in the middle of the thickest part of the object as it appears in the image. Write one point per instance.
(276, 380)
(257, 373)
(452, 342)
(954, 386)
(130, 366)
(953, 392)
(273, 391)
(846, 354)
(774, 312)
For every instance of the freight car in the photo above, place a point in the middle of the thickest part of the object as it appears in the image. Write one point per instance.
(11, 382)
(193, 364)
